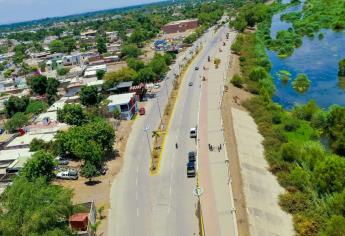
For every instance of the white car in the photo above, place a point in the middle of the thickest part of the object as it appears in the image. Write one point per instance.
(68, 174)
(193, 132)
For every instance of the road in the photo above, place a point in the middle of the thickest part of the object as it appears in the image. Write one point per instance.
(162, 204)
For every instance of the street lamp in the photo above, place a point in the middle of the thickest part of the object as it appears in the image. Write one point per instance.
(159, 109)
(146, 129)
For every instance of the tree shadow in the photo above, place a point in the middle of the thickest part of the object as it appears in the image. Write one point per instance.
(93, 182)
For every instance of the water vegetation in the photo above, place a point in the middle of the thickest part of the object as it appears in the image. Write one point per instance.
(301, 83)
(284, 76)
(312, 175)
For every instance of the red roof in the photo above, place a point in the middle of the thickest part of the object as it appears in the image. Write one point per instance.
(79, 221)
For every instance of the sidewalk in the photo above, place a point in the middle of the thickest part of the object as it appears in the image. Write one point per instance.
(216, 201)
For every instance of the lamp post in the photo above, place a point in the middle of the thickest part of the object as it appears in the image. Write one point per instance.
(159, 109)
(146, 129)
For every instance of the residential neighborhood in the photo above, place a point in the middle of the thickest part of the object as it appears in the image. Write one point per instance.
(172, 118)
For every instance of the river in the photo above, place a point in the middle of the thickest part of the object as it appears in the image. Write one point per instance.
(318, 59)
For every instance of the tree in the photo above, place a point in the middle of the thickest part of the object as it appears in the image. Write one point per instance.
(38, 144)
(329, 175)
(335, 226)
(36, 107)
(124, 74)
(69, 44)
(101, 44)
(16, 104)
(89, 95)
(216, 62)
(71, 114)
(137, 36)
(100, 74)
(40, 165)
(17, 121)
(38, 84)
(62, 71)
(341, 70)
(158, 65)
(57, 46)
(146, 75)
(237, 81)
(301, 83)
(52, 88)
(258, 73)
(135, 64)
(131, 50)
(89, 170)
(35, 208)
(117, 114)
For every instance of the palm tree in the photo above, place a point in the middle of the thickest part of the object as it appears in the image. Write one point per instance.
(94, 228)
(155, 134)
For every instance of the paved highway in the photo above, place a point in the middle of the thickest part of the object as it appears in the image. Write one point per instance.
(162, 204)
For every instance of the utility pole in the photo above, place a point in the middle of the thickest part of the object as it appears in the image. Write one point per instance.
(146, 129)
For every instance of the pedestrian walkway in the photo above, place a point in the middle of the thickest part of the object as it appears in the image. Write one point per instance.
(216, 201)
(261, 188)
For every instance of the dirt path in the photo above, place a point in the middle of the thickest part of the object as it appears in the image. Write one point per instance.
(229, 101)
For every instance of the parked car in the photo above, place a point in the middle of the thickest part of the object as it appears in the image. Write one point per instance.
(61, 161)
(193, 132)
(68, 174)
(142, 111)
(196, 68)
(192, 156)
(190, 83)
(191, 172)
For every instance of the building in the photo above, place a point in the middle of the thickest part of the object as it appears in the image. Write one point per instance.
(122, 87)
(89, 33)
(74, 59)
(82, 220)
(125, 103)
(180, 26)
(25, 140)
(91, 71)
(7, 157)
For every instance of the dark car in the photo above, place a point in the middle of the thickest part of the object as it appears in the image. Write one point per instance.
(191, 172)
(196, 68)
(192, 156)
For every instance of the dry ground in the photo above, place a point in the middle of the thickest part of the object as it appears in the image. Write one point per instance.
(232, 98)
(99, 191)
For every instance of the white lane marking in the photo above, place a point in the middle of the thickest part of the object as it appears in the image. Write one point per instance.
(137, 211)
(136, 182)
(170, 190)
(138, 169)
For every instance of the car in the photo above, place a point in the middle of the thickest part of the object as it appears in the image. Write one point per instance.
(190, 83)
(193, 132)
(68, 174)
(142, 111)
(61, 161)
(156, 86)
(192, 156)
(196, 68)
(191, 172)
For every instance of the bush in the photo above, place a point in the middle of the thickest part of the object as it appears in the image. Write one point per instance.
(258, 73)
(237, 81)
(17, 121)
(36, 107)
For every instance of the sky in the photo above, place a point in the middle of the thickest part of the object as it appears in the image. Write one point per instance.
(12, 11)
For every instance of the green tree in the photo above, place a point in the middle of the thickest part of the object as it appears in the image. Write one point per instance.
(137, 36)
(17, 121)
(16, 104)
(158, 65)
(301, 83)
(40, 165)
(69, 44)
(100, 74)
(52, 88)
(57, 46)
(38, 84)
(341, 70)
(62, 71)
(146, 75)
(115, 77)
(335, 226)
(89, 95)
(72, 114)
(35, 208)
(237, 81)
(89, 170)
(135, 64)
(101, 44)
(329, 175)
(36, 107)
(38, 144)
(131, 50)
(258, 73)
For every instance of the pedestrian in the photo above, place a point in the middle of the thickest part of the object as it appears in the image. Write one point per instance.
(176, 145)
(211, 148)
(220, 146)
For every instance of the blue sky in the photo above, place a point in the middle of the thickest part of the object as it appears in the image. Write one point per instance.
(23, 10)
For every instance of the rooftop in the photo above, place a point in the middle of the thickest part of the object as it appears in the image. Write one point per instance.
(13, 154)
(119, 99)
(181, 21)
(26, 139)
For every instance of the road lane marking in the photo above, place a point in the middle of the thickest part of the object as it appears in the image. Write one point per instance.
(138, 169)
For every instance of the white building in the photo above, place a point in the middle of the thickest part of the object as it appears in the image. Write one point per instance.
(125, 103)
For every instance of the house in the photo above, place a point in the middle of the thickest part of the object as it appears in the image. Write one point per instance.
(19, 163)
(91, 71)
(54, 64)
(7, 157)
(97, 83)
(25, 140)
(180, 26)
(74, 59)
(83, 219)
(125, 103)
(88, 33)
(122, 87)
(114, 48)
